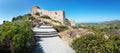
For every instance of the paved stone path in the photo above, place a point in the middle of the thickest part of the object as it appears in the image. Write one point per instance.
(48, 41)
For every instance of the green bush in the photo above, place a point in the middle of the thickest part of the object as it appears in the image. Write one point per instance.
(90, 43)
(45, 16)
(113, 44)
(25, 18)
(74, 27)
(56, 21)
(14, 37)
(60, 28)
(37, 13)
(97, 43)
(17, 18)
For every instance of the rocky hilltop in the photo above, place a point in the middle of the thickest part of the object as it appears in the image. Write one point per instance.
(58, 16)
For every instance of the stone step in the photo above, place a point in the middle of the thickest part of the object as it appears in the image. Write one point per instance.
(45, 33)
(45, 27)
(45, 30)
(53, 35)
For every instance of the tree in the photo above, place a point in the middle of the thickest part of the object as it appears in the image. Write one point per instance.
(14, 19)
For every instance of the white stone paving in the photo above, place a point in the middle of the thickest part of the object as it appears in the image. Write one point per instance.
(50, 44)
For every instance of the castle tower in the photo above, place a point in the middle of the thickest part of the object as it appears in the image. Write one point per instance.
(34, 10)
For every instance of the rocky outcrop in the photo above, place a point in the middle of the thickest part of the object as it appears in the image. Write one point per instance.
(69, 35)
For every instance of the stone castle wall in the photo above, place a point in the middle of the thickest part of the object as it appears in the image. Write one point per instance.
(55, 15)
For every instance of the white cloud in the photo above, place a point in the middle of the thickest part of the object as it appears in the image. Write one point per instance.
(1, 20)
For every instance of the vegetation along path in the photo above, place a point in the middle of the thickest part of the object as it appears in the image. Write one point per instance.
(48, 41)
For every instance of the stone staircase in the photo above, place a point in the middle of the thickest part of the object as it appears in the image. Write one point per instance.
(45, 30)
(48, 41)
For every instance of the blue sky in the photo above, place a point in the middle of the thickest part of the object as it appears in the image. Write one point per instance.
(79, 10)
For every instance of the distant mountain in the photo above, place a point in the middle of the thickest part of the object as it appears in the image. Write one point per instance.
(112, 23)
(92, 23)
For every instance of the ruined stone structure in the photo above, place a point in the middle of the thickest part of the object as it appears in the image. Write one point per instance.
(72, 22)
(55, 15)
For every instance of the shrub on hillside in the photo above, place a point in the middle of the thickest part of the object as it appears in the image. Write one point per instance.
(37, 13)
(56, 21)
(75, 27)
(16, 37)
(45, 16)
(113, 44)
(96, 43)
(17, 18)
(25, 17)
(90, 43)
(60, 28)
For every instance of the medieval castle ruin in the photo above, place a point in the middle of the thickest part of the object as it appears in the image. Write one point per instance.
(55, 15)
